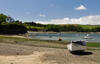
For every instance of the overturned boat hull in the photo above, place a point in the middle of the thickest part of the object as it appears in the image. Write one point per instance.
(74, 46)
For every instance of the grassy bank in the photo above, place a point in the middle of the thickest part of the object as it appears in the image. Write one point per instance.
(40, 43)
(37, 42)
(93, 44)
(33, 42)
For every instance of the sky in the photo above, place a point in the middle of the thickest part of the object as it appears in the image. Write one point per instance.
(53, 11)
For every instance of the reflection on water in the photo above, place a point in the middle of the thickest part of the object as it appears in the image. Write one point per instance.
(94, 37)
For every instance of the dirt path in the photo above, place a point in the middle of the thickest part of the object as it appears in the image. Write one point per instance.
(20, 54)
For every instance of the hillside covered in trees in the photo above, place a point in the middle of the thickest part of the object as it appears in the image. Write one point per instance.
(32, 26)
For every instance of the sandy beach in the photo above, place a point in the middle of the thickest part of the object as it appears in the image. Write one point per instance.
(21, 54)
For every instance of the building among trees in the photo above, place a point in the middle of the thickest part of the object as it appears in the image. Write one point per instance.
(9, 19)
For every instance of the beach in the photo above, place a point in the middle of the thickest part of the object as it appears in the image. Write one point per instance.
(21, 54)
(22, 51)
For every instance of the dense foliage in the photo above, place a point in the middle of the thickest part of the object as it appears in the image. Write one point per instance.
(2, 18)
(11, 28)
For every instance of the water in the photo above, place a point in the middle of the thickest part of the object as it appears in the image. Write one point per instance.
(93, 37)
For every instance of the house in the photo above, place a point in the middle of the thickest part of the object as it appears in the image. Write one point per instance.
(10, 19)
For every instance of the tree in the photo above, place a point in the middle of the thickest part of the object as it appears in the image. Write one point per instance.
(30, 23)
(12, 28)
(2, 18)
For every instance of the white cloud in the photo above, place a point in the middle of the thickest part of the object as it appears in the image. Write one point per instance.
(81, 7)
(92, 20)
(42, 15)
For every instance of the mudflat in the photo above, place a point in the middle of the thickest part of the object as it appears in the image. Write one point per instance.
(23, 54)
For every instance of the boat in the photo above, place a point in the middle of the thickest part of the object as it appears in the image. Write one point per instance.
(76, 46)
(87, 37)
(60, 39)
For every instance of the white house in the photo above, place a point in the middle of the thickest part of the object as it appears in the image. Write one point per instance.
(9, 19)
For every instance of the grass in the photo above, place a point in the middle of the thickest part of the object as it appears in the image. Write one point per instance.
(40, 43)
(89, 26)
(33, 42)
(35, 27)
(93, 44)
(26, 39)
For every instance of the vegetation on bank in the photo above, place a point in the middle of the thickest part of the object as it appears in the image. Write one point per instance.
(93, 44)
(14, 27)
(40, 43)
(32, 26)
(33, 42)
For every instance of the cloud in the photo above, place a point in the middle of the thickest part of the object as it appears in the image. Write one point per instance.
(92, 20)
(42, 15)
(81, 7)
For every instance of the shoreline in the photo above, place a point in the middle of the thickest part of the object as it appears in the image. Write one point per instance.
(63, 32)
(26, 36)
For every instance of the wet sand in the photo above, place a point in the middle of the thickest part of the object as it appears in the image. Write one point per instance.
(23, 54)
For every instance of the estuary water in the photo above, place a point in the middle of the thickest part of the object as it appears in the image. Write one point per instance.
(92, 37)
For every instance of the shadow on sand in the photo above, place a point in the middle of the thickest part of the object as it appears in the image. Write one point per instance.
(81, 53)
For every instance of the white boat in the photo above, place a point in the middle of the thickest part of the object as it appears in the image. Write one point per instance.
(87, 37)
(77, 46)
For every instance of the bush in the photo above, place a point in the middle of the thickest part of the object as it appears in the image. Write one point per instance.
(12, 29)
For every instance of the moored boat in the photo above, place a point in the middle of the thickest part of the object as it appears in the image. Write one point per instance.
(87, 37)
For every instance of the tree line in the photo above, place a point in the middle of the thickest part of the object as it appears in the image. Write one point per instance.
(32, 26)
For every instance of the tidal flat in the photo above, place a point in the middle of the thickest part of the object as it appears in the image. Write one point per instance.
(18, 50)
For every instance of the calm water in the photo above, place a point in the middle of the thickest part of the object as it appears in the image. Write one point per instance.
(94, 37)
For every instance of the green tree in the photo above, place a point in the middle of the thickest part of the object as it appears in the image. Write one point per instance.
(2, 18)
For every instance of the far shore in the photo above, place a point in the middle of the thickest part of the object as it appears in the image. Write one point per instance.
(61, 32)
(28, 32)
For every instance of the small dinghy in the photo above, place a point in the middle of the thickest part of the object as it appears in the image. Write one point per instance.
(87, 37)
(76, 46)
